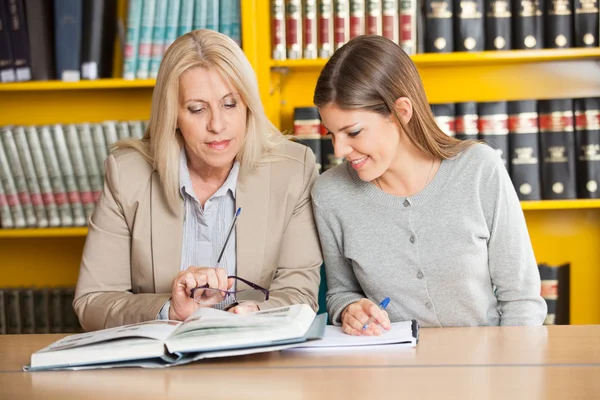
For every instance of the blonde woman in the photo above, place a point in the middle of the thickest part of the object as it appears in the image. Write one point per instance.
(156, 236)
(425, 219)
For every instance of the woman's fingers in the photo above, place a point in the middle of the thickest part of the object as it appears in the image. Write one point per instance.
(380, 315)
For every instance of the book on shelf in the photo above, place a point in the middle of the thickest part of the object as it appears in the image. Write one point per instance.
(207, 333)
(52, 175)
(587, 144)
(586, 23)
(445, 117)
(498, 18)
(559, 23)
(28, 310)
(524, 150)
(493, 127)
(439, 17)
(469, 34)
(557, 149)
(466, 121)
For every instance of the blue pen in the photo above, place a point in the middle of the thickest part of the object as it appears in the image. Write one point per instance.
(384, 303)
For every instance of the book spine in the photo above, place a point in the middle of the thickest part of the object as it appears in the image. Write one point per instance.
(390, 20)
(111, 135)
(307, 130)
(10, 190)
(79, 169)
(325, 21)
(212, 18)
(557, 149)
(89, 157)
(42, 210)
(29, 141)
(55, 175)
(158, 37)
(493, 127)
(200, 14)
(374, 18)
(278, 30)
(41, 47)
(100, 146)
(10, 149)
(293, 29)
(6, 219)
(498, 17)
(236, 22)
(439, 37)
(2, 305)
(7, 70)
(357, 18)
(466, 121)
(587, 142)
(445, 117)
(586, 23)
(67, 38)
(27, 311)
(186, 17)
(123, 130)
(408, 26)
(13, 311)
(132, 42)
(137, 129)
(41, 309)
(559, 23)
(172, 23)
(309, 31)
(528, 24)
(225, 17)
(19, 40)
(341, 23)
(549, 291)
(468, 25)
(523, 140)
(145, 47)
(70, 175)
(56, 311)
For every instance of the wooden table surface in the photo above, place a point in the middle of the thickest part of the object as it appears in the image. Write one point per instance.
(554, 362)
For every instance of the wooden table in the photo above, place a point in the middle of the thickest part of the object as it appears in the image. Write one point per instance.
(554, 362)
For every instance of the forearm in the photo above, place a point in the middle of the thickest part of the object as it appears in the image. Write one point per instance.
(101, 310)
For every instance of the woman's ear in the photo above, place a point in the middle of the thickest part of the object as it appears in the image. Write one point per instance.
(404, 109)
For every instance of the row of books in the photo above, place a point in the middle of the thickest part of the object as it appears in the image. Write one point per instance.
(71, 40)
(551, 148)
(152, 25)
(313, 29)
(28, 310)
(58, 39)
(52, 175)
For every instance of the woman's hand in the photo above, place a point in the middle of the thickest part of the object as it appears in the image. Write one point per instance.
(182, 305)
(244, 308)
(358, 313)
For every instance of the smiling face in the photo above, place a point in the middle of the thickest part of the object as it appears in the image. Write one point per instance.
(211, 118)
(367, 140)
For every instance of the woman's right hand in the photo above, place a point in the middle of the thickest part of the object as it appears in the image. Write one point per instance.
(182, 305)
(358, 313)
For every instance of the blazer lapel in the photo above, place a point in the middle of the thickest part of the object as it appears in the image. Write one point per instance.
(253, 197)
(167, 227)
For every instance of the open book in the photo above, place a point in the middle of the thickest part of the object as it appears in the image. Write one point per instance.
(207, 333)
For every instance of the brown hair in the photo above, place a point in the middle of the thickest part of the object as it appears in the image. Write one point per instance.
(371, 73)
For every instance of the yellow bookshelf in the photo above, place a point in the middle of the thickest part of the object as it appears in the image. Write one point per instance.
(561, 231)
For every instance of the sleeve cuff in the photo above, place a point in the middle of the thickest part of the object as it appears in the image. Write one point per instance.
(340, 304)
(164, 311)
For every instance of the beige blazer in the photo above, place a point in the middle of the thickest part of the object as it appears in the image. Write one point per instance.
(133, 247)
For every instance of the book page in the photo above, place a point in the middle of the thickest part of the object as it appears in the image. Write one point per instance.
(400, 333)
(156, 329)
(245, 330)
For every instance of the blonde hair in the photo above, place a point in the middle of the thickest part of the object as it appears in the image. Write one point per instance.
(371, 73)
(161, 144)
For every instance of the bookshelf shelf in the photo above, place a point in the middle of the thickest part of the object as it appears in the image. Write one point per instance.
(560, 204)
(80, 232)
(42, 232)
(115, 83)
(479, 58)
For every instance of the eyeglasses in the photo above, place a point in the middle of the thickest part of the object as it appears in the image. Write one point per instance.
(207, 297)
